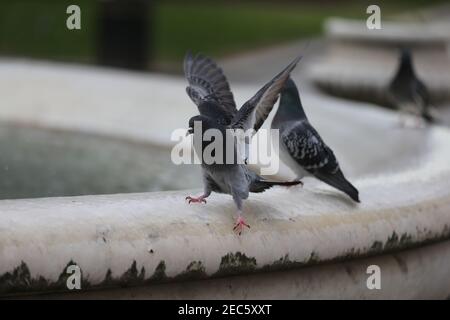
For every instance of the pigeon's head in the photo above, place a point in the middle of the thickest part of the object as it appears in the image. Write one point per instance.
(201, 122)
(190, 130)
(405, 55)
(405, 67)
(191, 125)
(290, 103)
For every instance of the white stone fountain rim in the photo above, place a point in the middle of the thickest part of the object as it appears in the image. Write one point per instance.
(150, 237)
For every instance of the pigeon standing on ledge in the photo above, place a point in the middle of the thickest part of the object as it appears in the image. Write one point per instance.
(209, 90)
(301, 147)
(406, 92)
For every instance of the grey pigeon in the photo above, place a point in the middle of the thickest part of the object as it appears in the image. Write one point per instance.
(209, 90)
(407, 92)
(301, 147)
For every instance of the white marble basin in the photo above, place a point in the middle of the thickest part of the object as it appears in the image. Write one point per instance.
(116, 123)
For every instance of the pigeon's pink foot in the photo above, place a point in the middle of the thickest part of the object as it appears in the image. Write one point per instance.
(240, 224)
(200, 199)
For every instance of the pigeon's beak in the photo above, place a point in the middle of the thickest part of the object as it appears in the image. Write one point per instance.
(189, 131)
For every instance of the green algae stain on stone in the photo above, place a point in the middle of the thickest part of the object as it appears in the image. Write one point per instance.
(286, 263)
(395, 241)
(235, 263)
(160, 273)
(109, 280)
(282, 263)
(377, 246)
(392, 241)
(20, 280)
(195, 270)
(132, 276)
(313, 258)
(64, 275)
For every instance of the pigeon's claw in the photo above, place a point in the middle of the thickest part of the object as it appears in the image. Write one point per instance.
(240, 224)
(200, 199)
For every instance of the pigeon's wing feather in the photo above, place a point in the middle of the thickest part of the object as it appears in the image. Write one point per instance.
(208, 83)
(420, 93)
(307, 148)
(256, 110)
(421, 98)
(313, 155)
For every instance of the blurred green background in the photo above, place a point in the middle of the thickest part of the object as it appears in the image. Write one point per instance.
(37, 28)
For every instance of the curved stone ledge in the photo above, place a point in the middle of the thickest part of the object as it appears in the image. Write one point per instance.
(397, 33)
(359, 63)
(148, 238)
(144, 238)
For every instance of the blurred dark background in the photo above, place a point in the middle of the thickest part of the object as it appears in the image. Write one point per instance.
(154, 35)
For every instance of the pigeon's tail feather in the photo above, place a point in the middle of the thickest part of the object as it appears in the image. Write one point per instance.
(262, 185)
(338, 181)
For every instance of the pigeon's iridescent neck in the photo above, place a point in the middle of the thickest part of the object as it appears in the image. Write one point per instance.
(406, 65)
(290, 105)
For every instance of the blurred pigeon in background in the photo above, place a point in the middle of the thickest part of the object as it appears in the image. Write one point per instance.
(406, 92)
(301, 147)
(209, 90)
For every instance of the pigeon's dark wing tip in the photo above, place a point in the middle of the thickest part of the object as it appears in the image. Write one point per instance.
(356, 198)
(256, 110)
(296, 60)
(350, 190)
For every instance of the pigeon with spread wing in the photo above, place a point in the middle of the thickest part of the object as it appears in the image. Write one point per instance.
(209, 89)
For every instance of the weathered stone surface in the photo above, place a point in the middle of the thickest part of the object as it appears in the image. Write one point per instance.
(141, 239)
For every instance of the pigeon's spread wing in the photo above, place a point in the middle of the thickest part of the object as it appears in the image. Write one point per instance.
(256, 110)
(309, 151)
(207, 83)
